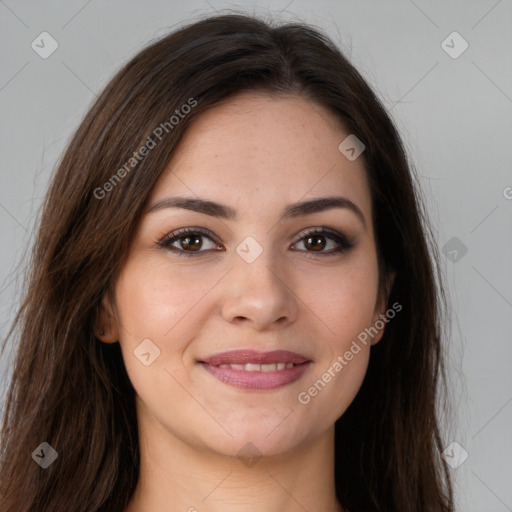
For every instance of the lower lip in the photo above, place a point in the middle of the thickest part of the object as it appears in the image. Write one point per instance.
(257, 380)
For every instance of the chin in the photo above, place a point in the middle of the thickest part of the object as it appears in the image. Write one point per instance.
(248, 446)
(252, 438)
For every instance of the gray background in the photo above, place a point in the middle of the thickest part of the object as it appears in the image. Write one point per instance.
(454, 115)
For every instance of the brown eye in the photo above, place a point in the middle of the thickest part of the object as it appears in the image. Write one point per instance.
(315, 243)
(324, 242)
(191, 243)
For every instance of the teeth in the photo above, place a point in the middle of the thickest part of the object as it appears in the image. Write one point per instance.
(253, 367)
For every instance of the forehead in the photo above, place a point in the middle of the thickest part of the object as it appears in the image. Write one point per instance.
(256, 151)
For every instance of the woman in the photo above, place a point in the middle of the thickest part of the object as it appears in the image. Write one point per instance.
(232, 300)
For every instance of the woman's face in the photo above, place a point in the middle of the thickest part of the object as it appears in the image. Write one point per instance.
(256, 275)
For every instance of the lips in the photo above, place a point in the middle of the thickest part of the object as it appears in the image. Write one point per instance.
(249, 369)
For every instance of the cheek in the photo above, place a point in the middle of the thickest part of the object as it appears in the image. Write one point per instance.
(346, 309)
(343, 301)
(158, 300)
(163, 304)
(335, 386)
(168, 305)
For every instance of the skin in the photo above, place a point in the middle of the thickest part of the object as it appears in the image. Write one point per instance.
(256, 154)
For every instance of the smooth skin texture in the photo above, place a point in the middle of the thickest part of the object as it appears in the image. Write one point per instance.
(256, 154)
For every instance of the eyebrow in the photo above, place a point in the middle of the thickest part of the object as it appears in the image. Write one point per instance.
(227, 212)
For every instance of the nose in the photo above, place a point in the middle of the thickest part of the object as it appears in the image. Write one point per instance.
(259, 294)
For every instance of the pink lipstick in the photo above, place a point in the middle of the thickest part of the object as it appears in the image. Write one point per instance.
(249, 369)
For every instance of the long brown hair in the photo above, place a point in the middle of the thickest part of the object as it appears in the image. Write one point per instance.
(72, 391)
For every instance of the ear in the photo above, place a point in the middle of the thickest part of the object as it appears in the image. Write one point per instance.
(379, 316)
(105, 324)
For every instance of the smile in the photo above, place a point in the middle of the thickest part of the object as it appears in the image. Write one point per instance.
(248, 369)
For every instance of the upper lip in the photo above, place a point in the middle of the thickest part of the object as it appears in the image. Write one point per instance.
(252, 356)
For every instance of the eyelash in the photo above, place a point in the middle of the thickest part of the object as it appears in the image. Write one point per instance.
(344, 243)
